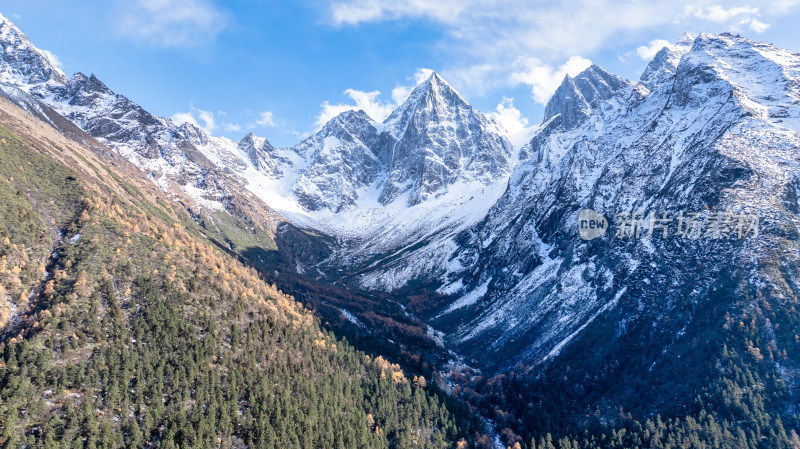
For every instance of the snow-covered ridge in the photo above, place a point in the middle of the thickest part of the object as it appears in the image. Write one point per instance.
(713, 124)
(22, 63)
(433, 167)
(436, 194)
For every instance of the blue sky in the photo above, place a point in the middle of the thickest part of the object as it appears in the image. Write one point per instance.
(281, 69)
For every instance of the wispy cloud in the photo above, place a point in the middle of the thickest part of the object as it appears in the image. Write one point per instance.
(746, 15)
(365, 101)
(509, 117)
(719, 14)
(647, 52)
(483, 38)
(757, 25)
(370, 102)
(400, 93)
(358, 11)
(184, 117)
(207, 120)
(543, 79)
(53, 58)
(266, 118)
(170, 23)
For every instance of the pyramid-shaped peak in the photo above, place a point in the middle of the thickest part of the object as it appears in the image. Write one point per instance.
(88, 83)
(596, 79)
(435, 78)
(6, 21)
(665, 62)
(349, 125)
(594, 71)
(591, 79)
(575, 97)
(353, 114)
(436, 84)
(432, 96)
(20, 58)
(350, 121)
(251, 140)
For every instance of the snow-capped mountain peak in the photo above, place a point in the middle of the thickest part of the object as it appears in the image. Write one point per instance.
(713, 126)
(431, 98)
(762, 78)
(431, 141)
(89, 83)
(260, 153)
(429, 195)
(665, 63)
(435, 138)
(352, 124)
(23, 64)
(339, 162)
(436, 86)
(576, 97)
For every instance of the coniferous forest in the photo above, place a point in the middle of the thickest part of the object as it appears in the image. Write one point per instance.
(133, 330)
(131, 320)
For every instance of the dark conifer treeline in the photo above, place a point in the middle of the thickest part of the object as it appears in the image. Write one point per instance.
(126, 328)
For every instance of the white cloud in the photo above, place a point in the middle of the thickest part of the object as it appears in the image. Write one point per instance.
(400, 93)
(718, 14)
(544, 79)
(499, 28)
(478, 78)
(747, 15)
(266, 119)
(483, 38)
(365, 101)
(647, 52)
(370, 102)
(184, 117)
(355, 12)
(170, 23)
(758, 26)
(206, 120)
(421, 75)
(209, 123)
(509, 117)
(53, 59)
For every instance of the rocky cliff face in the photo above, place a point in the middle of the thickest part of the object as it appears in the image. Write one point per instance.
(435, 139)
(576, 98)
(715, 133)
(205, 174)
(340, 163)
(431, 142)
(22, 62)
(431, 196)
(262, 155)
(355, 178)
